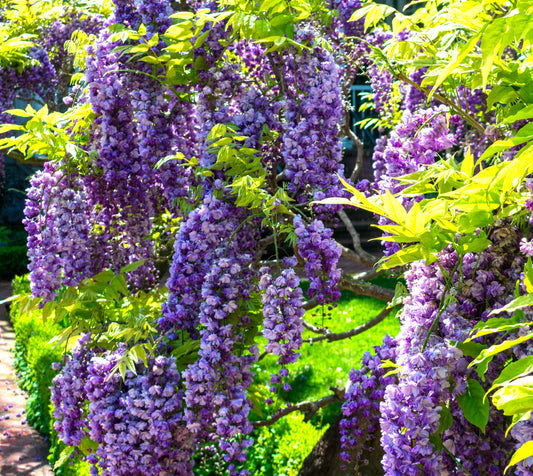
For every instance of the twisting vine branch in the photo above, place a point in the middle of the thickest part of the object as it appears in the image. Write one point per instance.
(365, 289)
(308, 407)
(366, 258)
(332, 337)
(476, 125)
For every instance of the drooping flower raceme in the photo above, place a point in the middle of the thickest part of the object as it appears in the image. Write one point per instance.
(316, 245)
(282, 308)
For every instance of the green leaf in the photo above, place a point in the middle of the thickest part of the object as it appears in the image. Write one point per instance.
(522, 453)
(445, 420)
(472, 403)
(515, 397)
(64, 457)
(132, 266)
(515, 370)
(373, 14)
(88, 446)
(393, 208)
(201, 39)
(402, 257)
(518, 303)
(472, 244)
(524, 113)
(400, 292)
(528, 276)
(471, 349)
(491, 43)
(415, 221)
(450, 67)
(495, 349)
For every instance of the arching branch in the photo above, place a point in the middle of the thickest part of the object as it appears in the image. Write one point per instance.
(365, 289)
(356, 240)
(332, 336)
(307, 407)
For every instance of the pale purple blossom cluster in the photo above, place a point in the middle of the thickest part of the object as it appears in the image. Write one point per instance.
(59, 241)
(321, 253)
(434, 372)
(43, 266)
(124, 222)
(364, 394)
(69, 395)
(201, 239)
(137, 422)
(215, 394)
(312, 149)
(414, 143)
(282, 301)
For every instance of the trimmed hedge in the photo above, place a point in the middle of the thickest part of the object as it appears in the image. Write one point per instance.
(13, 261)
(33, 361)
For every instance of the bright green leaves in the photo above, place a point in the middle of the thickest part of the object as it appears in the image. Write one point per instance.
(475, 408)
(373, 14)
(173, 54)
(515, 397)
(465, 202)
(443, 73)
(524, 452)
(271, 22)
(244, 173)
(53, 135)
(520, 368)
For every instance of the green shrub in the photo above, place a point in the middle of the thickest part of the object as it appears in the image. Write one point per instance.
(33, 361)
(280, 449)
(13, 261)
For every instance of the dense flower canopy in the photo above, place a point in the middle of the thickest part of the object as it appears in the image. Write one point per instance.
(202, 149)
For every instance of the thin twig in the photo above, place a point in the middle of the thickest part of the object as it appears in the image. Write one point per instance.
(476, 125)
(316, 330)
(358, 146)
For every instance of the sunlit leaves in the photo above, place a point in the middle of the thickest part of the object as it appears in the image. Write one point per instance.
(53, 135)
(474, 407)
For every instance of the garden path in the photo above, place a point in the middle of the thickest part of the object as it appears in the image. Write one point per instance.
(23, 450)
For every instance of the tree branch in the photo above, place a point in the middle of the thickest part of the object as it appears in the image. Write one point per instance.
(356, 239)
(310, 303)
(307, 407)
(352, 255)
(332, 337)
(348, 81)
(312, 328)
(358, 146)
(365, 289)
